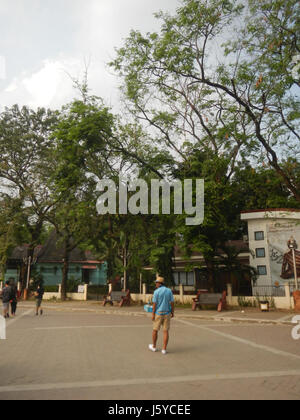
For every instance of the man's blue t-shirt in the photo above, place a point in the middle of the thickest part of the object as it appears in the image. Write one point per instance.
(163, 298)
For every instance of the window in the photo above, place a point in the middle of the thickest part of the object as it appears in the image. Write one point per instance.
(260, 253)
(182, 277)
(262, 270)
(176, 278)
(259, 236)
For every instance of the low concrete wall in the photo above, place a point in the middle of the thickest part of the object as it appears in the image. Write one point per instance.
(284, 302)
(72, 296)
(280, 302)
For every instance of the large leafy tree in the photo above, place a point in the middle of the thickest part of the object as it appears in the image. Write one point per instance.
(218, 76)
(26, 156)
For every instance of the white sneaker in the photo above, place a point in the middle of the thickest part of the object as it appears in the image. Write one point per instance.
(164, 351)
(152, 348)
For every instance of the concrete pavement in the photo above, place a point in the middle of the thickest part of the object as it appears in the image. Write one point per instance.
(248, 315)
(84, 351)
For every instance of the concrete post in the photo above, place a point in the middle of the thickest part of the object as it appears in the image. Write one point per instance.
(144, 288)
(85, 297)
(287, 291)
(181, 293)
(144, 293)
(59, 291)
(2, 328)
(229, 294)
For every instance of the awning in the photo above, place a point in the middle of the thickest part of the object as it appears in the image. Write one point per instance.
(89, 267)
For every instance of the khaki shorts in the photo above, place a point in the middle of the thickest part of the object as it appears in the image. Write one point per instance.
(162, 321)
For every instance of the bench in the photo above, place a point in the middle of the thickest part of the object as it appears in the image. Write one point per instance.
(123, 298)
(204, 298)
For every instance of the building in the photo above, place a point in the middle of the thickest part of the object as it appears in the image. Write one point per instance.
(193, 274)
(48, 262)
(270, 231)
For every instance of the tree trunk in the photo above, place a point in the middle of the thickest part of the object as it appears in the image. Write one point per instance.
(210, 272)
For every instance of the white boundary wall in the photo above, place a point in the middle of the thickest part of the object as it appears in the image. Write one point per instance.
(72, 296)
(285, 302)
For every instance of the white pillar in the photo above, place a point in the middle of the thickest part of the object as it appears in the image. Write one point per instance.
(144, 292)
(144, 288)
(287, 291)
(181, 293)
(2, 328)
(85, 297)
(229, 294)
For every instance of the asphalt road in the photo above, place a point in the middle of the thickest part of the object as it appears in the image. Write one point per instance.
(71, 355)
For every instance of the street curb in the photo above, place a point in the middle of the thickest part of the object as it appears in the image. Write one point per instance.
(181, 316)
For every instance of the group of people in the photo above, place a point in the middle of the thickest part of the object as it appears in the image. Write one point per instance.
(163, 308)
(10, 296)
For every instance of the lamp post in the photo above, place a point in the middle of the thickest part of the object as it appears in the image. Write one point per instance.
(29, 261)
(292, 244)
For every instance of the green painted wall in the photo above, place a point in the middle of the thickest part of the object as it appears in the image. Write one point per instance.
(11, 273)
(52, 273)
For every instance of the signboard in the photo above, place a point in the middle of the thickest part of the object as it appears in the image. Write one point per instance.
(281, 256)
(81, 289)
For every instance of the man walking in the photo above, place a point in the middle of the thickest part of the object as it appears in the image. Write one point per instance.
(39, 298)
(163, 311)
(6, 297)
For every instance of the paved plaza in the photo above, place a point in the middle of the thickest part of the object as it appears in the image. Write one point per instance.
(86, 352)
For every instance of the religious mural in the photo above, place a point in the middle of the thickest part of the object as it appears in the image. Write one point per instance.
(284, 238)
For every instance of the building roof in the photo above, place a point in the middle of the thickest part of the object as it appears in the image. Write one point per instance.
(53, 252)
(239, 245)
(279, 213)
(270, 210)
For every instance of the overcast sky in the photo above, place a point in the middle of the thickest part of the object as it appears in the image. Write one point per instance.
(43, 40)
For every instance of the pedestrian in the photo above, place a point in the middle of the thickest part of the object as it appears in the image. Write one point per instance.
(14, 299)
(163, 311)
(39, 298)
(6, 297)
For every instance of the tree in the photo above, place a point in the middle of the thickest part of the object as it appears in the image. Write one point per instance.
(26, 150)
(239, 102)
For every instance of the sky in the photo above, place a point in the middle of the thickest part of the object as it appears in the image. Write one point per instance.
(45, 43)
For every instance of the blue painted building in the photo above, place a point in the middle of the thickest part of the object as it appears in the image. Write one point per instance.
(48, 262)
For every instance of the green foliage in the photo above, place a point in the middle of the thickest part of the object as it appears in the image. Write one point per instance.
(72, 284)
(237, 98)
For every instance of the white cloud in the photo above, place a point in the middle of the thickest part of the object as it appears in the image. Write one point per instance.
(48, 86)
(92, 30)
(12, 87)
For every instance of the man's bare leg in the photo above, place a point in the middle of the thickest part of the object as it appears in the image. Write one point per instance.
(166, 340)
(154, 338)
